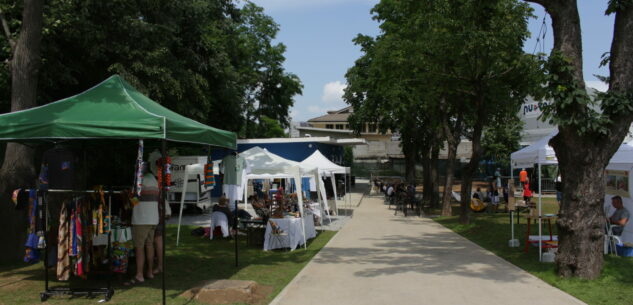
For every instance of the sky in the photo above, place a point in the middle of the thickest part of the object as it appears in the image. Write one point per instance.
(318, 35)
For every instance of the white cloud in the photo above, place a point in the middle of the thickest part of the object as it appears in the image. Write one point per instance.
(598, 85)
(333, 92)
(294, 114)
(315, 109)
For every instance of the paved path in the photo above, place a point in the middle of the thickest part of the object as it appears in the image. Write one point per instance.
(381, 259)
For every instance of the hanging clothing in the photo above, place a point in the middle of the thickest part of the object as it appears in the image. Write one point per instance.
(209, 178)
(63, 244)
(32, 254)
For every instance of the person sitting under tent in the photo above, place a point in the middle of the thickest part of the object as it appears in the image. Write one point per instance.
(620, 217)
(223, 207)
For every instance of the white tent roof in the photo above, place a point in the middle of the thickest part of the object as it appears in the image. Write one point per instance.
(622, 159)
(538, 153)
(325, 166)
(263, 164)
(541, 152)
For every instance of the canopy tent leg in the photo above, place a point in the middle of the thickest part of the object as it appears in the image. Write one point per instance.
(163, 193)
(182, 204)
(333, 180)
(540, 215)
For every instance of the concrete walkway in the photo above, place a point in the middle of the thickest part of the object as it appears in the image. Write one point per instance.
(378, 258)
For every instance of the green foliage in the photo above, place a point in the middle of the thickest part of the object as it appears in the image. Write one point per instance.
(270, 128)
(442, 61)
(206, 59)
(573, 107)
(348, 156)
(502, 138)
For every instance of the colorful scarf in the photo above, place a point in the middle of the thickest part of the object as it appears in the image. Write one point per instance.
(63, 242)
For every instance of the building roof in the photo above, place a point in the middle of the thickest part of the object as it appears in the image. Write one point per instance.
(340, 115)
(325, 140)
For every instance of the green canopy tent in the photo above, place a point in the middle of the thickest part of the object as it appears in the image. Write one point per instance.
(112, 109)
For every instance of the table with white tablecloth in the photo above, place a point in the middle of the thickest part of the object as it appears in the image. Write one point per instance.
(292, 233)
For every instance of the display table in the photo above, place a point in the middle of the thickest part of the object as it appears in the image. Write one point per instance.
(544, 243)
(292, 233)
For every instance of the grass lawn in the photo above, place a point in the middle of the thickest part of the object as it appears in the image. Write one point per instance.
(492, 232)
(195, 261)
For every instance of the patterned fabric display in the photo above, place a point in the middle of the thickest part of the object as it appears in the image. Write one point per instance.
(63, 243)
(209, 178)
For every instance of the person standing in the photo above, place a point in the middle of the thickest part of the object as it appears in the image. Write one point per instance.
(523, 176)
(527, 193)
(559, 189)
(144, 221)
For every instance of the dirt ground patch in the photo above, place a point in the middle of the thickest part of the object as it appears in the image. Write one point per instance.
(229, 292)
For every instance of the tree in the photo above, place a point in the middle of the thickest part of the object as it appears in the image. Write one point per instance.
(502, 138)
(24, 65)
(587, 139)
(270, 128)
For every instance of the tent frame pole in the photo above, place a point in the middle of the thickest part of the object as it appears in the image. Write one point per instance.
(163, 193)
(540, 215)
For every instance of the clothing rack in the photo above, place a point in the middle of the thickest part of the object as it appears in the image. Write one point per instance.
(108, 291)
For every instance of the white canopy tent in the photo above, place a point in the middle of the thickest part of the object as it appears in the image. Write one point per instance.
(263, 164)
(622, 160)
(538, 153)
(327, 168)
(268, 165)
(541, 153)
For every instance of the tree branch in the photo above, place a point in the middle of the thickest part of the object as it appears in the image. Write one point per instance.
(6, 30)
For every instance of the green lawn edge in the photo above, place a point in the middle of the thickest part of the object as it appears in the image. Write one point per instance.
(492, 232)
(194, 261)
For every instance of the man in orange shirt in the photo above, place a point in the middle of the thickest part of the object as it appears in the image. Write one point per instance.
(523, 175)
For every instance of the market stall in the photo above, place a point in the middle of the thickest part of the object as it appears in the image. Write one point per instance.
(112, 109)
(539, 153)
(620, 182)
(262, 164)
(620, 166)
(328, 168)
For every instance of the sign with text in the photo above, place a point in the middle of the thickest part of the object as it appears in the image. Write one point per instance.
(534, 109)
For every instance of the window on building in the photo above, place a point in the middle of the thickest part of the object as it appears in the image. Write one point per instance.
(347, 126)
(372, 128)
(339, 126)
(364, 128)
(329, 126)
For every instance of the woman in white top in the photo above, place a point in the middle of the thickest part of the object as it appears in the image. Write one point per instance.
(144, 221)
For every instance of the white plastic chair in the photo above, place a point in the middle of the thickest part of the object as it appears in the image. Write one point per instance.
(611, 240)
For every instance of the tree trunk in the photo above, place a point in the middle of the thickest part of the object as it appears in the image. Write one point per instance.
(470, 169)
(427, 182)
(17, 169)
(435, 177)
(410, 155)
(448, 182)
(18, 166)
(583, 157)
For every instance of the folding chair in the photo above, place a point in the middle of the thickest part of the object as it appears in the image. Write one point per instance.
(277, 236)
(611, 240)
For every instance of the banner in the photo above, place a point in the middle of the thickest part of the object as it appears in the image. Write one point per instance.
(534, 109)
(618, 183)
